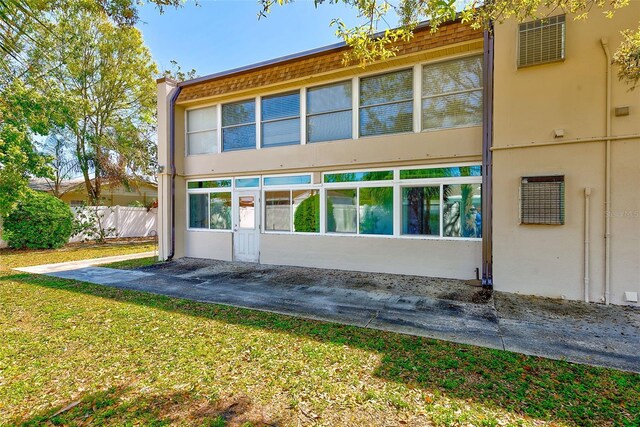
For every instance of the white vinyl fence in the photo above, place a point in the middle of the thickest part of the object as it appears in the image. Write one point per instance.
(125, 221)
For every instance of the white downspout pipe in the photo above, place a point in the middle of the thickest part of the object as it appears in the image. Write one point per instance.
(607, 186)
(587, 242)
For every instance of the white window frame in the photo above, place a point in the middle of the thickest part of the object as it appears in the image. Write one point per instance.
(222, 128)
(208, 191)
(291, 188)
(281, 119)
(217, 129)
(421, 97)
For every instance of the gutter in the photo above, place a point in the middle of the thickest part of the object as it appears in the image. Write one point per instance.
(172, 166)
(487, 160)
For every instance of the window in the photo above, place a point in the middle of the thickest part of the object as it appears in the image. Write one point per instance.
(239, 126)
(452, 93)
(247, 182)
(281, 120)
(421, 210)
(358, 176)
(386, 103)
(210, 204)
(441, 172)
(297, 210)
(541, 41)
(462, 205)
(542, 200)
(287, 180)
(202, 134)
(366, 210)
(329, 112)
(342, 215)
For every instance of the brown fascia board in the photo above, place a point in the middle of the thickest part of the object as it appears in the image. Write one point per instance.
(423, 26)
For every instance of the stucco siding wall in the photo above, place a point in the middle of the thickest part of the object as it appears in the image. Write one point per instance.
(208, 244)
(436, 258)
(570, 95)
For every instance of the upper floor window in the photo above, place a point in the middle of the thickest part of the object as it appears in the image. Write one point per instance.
(281, 119)
(329, 112)
(541, 41)
(386, 103)
(202, 131)
(239, 125)
(452, 93)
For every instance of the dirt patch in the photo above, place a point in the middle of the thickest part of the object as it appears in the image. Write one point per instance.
(277, 275)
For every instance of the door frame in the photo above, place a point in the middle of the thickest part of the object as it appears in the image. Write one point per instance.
(257, 197)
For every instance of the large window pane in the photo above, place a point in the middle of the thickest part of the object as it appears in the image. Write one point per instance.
(281, 106)
(387, 118)
(220, 211)
(198, 212)
(239, 138)
(462, 216)
(306, 208)
(329, 126)
(341, 211)
(201, 119)
(376, 210)
(202, 142)
(284, 132)
(452, 93)
(390, 87)
(278, 211)
(421, 211)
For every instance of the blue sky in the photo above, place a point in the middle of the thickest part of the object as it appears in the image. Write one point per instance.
(219, 35)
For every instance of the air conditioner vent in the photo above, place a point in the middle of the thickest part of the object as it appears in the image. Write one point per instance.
(541, 41)
(542, 200)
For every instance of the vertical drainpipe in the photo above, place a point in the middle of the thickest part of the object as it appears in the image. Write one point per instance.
(487, 160)
(172, 166)
(607, 180)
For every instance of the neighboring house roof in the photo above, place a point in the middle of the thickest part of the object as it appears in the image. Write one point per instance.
(45, 184)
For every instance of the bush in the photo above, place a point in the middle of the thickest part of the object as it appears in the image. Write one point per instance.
(39, 221)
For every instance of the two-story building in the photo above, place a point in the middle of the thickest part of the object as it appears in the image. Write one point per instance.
(468, 154)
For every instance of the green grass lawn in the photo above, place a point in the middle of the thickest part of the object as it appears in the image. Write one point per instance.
(105, 356)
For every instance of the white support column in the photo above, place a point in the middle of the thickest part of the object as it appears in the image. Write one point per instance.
(417, 98)
(258, 123)
(303, 116)
(164, 88)
(355, 104)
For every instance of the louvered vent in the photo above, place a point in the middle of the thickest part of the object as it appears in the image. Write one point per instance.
(542, 200)
(541, 41)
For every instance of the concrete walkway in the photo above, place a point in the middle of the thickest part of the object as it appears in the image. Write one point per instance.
(77, 265)
(438, 308)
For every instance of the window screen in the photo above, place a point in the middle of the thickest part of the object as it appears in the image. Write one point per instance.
(329, 112)
(238, 126)
(452, 93)
(202, 136)
(541, 41)
(542, 200)
(386, 103)
(281, 120)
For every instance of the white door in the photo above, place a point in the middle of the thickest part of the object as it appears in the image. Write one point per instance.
(246, 226)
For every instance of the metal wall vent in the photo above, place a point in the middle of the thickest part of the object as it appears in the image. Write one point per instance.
(542, 200)
(541, 41)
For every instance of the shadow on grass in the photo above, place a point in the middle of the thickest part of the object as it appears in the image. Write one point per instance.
(117, 406)
(530, 386)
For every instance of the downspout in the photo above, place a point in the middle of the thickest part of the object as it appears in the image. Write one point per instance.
(172, 166)
(607, 185)
(487, 159)
(587, 241)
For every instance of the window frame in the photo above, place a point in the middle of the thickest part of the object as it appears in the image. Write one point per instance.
(422, 98)
(254, 123)
(281, 119)
(218, 129)
(309, 115)
(208, 191)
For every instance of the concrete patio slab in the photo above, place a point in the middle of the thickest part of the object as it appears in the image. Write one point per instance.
(437, 308)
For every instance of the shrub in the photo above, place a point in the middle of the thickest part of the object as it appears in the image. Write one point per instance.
(39, 221)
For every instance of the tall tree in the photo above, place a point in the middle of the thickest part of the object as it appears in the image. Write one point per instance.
(105, 77)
